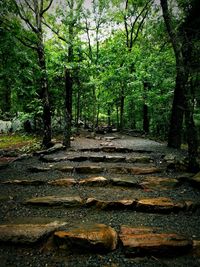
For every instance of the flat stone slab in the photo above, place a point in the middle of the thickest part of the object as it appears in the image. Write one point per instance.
(125, 181)
(118, 204)
(159, 204)
(39, 169)
(27, 233)
(98, 237)
(63, 182)
(134, 170)
(64, 168)
(114, 159)
(155, 182)
(141, 159)
(89, 169)
(51, 158)
(56, 201)
(94, 181)
(23, 182)
(148, 241)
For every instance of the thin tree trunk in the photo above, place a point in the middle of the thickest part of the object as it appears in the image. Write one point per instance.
(68, 109)
(46, 142)
(145, 119)
(122, 99)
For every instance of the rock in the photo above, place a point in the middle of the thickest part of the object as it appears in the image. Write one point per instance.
(142, 159)
(143, 170)
(108, 148)
(118, 170)
(56, 201)
(96, 237)
(51, 158)
(134, 170)
(109, 138)
(89, 169)
(94, 181)
(54, 148)
(196, 248)
(125, 181)
(24, 182)
(109, 205)
(159, 204)
(63, 182)
(39, 169)
(64, 168)
(148, 241)
(97, 158)
(27, 233)
(196, 179)
(78, 158)
(159, 183)
(114, 159)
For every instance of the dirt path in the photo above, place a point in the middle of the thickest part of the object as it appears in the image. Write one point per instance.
(129, 185)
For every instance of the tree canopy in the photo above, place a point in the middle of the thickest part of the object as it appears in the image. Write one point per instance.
(124, 64)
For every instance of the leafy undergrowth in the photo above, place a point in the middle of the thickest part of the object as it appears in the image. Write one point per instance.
(21, 143)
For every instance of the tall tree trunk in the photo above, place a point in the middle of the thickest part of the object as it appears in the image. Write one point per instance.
(68, 109)
(176, 122)
(122, 99)
(46, 142)
(145, 119)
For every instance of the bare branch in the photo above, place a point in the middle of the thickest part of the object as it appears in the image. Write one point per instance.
(26, 1)
(25, 43)
(44, 10)
(54, 31)
(140, 26)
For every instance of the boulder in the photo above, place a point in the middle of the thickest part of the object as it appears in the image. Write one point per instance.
(27, 233)
(39, 169)
(148, 241)
(74, 201)
(93, 237)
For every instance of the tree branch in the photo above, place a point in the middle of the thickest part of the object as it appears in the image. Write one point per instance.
(139, 27)
(25, 43)
(26, 1)
(44, 10)
(54, 31)
(24, 18)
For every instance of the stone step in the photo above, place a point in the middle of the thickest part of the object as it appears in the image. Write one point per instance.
(147, 183)
(72, 201)
(148, 241)
(27, 233)
(92, 237)
(97, 158)
(151, 205)
(99, 238)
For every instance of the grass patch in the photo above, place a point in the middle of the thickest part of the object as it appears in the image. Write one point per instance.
(24, 143)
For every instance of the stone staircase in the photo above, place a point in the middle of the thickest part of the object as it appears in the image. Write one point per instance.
(99, 206)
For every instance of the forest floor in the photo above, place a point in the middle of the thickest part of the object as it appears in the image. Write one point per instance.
(137, 188)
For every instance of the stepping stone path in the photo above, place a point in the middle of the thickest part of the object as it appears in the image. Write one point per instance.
(112, 204)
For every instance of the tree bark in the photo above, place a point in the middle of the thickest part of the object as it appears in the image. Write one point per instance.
(68, 109)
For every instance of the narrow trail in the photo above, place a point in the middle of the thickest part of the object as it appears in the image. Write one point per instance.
(113, 201)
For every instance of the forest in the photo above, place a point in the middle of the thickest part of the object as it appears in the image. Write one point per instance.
(123, 64)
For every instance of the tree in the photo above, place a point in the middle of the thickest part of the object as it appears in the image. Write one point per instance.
(182, 93)
(32, 13)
